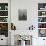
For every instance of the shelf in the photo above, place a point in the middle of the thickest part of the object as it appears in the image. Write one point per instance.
(3, 22)
(42, 16)
(3, 16)
(42, 37)
(41, 10)
(41, 28)
(4, 19)
(41, 19)
(3, 10)
(41, 22)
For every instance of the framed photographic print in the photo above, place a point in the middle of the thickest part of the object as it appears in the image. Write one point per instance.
(22, 14)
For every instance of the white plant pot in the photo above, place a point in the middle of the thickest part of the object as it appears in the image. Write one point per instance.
(22, 43)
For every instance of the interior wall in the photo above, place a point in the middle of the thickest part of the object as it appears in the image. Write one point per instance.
(31, 13)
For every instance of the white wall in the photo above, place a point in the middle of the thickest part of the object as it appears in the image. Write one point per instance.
(32, 14)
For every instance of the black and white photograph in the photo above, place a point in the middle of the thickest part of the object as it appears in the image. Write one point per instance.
(22, 14)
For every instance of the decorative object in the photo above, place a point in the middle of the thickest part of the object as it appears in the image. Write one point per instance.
(42, 25)
(6, 7)
(42, 32)
(41, 6)
(3, 6)
(41, 19)
(41, 13)
(13, 27)
(3, 19)
(0, 7)
(22, 43)
(23, 40)
(31, 27)
(3, 13)
(22, 14)
(4, 29)
(27, 39)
